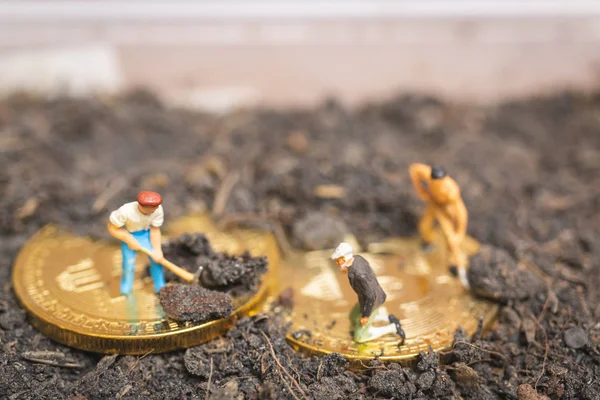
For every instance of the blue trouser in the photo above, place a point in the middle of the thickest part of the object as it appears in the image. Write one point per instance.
(156, 270)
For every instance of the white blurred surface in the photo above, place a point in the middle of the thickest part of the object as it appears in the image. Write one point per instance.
(75, 71)
(291, 9)
(220, 55)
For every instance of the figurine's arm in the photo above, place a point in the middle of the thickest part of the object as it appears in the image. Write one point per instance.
(420, 173)
(156, 241)
(123, 235)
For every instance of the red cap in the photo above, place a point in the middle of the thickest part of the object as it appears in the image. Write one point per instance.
(149, 199)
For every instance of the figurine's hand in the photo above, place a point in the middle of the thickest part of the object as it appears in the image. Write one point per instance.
(364, 320)
(134, 245)
(157, 255)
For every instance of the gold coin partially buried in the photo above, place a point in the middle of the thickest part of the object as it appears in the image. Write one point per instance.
(69, 286)
(430, 303)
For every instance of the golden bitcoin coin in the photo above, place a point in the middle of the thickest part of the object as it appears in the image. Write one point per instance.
(69, 286)
(430, 303)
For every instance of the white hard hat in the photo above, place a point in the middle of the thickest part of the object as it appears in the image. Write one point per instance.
(343, 250)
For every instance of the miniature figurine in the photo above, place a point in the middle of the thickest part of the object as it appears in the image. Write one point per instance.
(447, 208)
(370, 297)
(137, 226)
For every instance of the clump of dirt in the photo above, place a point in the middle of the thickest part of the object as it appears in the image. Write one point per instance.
(428, 380)
(185, 302)
(528, 172)
(527, 392)
(236, 275)
(226, 275)
(495, 275)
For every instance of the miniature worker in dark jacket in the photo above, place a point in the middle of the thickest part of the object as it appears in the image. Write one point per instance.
(370, 297)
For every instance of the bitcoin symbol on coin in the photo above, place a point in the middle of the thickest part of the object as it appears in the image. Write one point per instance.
(70, 287)
(430, 304)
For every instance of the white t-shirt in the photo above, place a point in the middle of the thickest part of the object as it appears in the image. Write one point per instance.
(129, 215)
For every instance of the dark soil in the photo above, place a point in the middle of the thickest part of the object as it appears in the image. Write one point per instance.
(228, 275)
(495, 275)
(185, 302)
(236, 275)
(530, 176)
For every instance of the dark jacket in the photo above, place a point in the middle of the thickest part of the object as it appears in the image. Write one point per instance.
(364, 282)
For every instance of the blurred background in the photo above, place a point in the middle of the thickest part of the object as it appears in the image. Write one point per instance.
(217, 55)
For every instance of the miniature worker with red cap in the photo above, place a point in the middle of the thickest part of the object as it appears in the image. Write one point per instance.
(137, 225)
(370, 297)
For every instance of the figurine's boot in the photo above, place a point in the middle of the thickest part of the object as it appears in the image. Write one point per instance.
(369, 332)
(458, 267)
(462, 276)
(399, 330)
(384, 316)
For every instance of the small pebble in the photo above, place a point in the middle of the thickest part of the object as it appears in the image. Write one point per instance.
(329, 191)
(297, 142)
(527, 392)
(12, 318)
(318, 230)
(576, 337)
(286, 298)
(466, 375)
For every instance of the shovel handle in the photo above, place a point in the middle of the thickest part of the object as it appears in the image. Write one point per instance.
(177, 270)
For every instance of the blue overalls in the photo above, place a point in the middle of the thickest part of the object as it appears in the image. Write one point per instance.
(156, 270)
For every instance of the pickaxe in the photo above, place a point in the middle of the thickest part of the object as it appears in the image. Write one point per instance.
(177, 270)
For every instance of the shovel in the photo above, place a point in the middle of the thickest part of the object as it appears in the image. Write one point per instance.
(177, 270)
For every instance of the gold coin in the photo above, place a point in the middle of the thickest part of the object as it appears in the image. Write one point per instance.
(430, 303)
(69, 286)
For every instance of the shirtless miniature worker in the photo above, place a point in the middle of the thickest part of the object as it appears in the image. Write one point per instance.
(446, 207)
